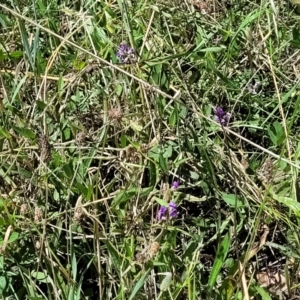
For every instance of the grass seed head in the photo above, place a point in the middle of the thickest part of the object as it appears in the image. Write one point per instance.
(38, 214)
(45, 148)
(23, 209)
(115, 115)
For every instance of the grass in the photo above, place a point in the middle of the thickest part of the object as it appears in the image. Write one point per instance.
(90, 149)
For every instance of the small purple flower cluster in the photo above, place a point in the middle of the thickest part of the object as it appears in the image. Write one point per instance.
(221, 117)
(175, 185)
(163, 211)
(126, 54)
(172, 207)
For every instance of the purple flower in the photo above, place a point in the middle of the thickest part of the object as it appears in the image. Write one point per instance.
(221, 117)
(126, 54)
(161, 213)
(175, 185)
(173, 209)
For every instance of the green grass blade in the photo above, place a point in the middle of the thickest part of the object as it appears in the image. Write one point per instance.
(220, 258)
(138, 285)
(25, 43)
(263, 293)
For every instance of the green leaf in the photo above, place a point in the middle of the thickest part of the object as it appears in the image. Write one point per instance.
(41, 105)
(3, 55)
(123, 140)
(27, 133)
(220, 259)
(174, 117)
(13, 237)
(190, 249)
(276, 133)
(68, 170)
(124, 195)
(296, 37)
(166, 58)
(83, 189)
(289, 202)
(165, 284)
(263, 293)
(16, 54)
(3, 283)
(163, 162)
(79, 65)
(40, 276)
(154, 171)
(136, 126)
(139, 284)
(161, 201)
(230, 199)
(1, 263)
(73, 262)
(286, 250)
(4, 21)
(213, 49)
(168, 151)
(67, 134)
(188, 197)
(25, 42)
(4, 133)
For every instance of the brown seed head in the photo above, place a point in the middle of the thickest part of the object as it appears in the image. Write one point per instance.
(154, 247)
(115, 114)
